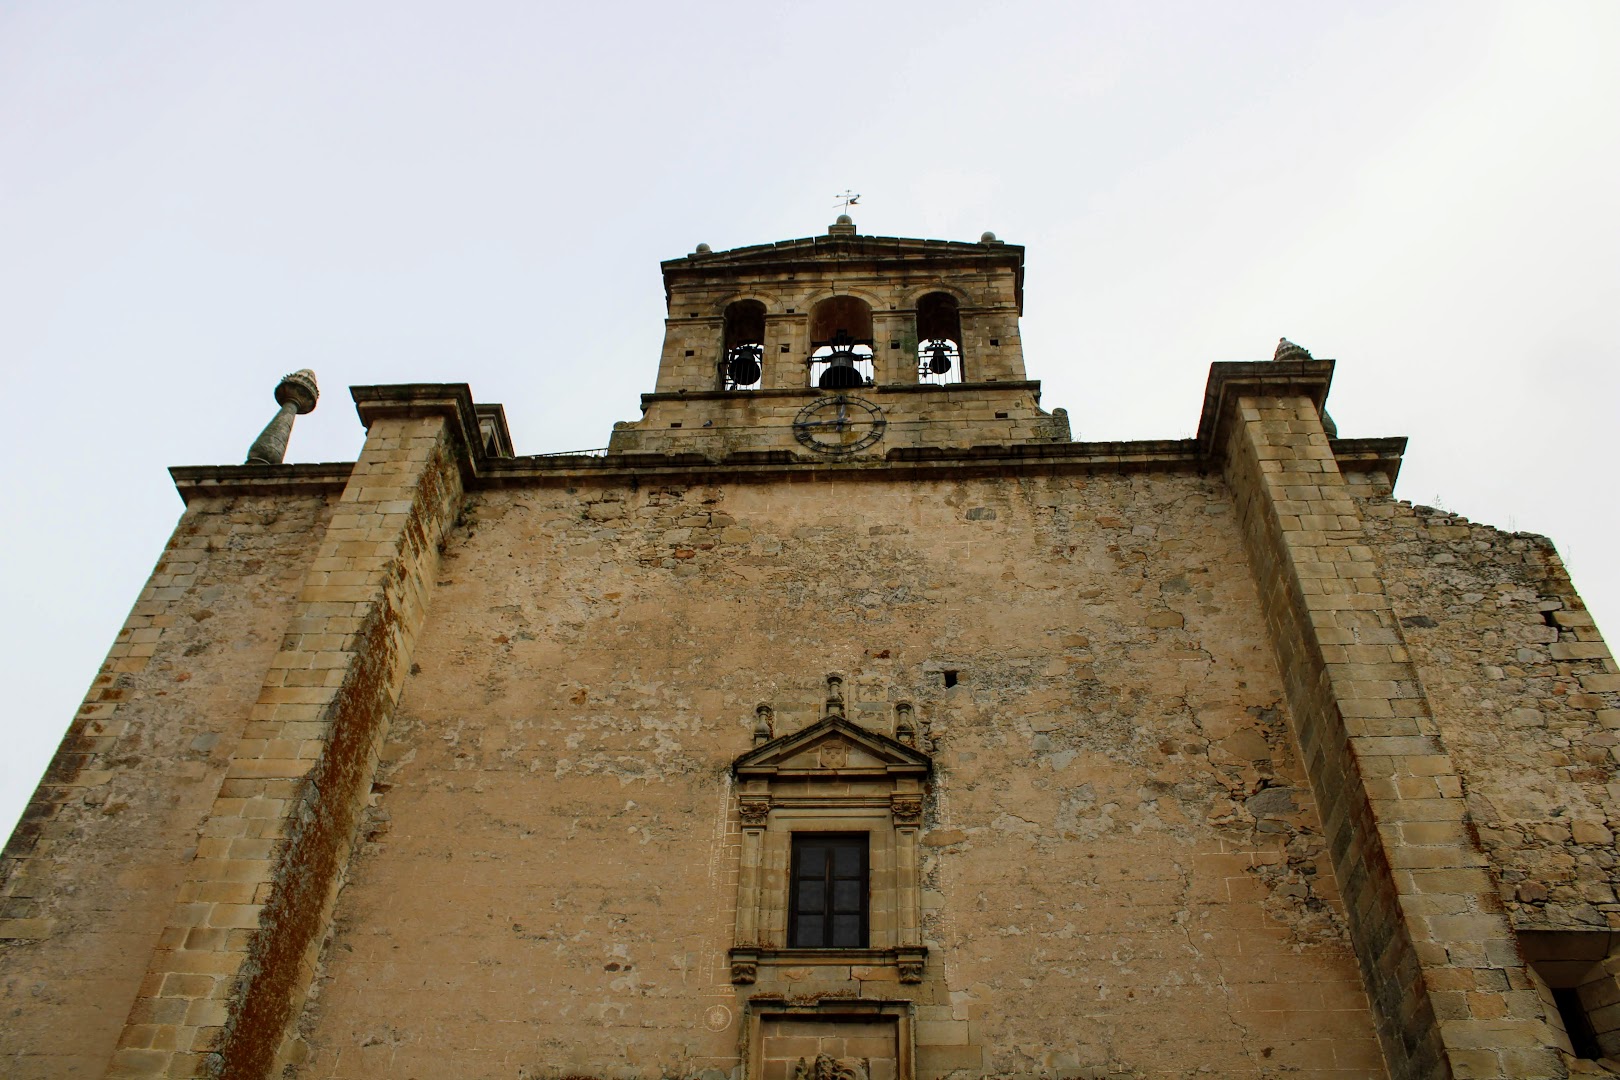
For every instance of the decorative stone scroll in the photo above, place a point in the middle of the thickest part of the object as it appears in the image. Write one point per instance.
(907, 809)
(754, 810)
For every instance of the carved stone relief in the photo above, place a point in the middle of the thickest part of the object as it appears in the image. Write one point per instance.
(827, 1067)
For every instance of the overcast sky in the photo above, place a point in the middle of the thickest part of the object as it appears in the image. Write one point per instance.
(195, 199)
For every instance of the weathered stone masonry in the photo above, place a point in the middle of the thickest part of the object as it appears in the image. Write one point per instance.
(1420, 898)
(1173, 758)
(239, 953)
(89, 875)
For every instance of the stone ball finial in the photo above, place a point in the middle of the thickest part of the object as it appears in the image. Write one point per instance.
(704, 249)
(300, 390)
(1287, 350)
(844, 219)
(987, 237)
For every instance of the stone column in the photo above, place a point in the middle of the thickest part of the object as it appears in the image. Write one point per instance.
(907, 813)
(1425, 918)
(755, 811)
(232, 969)
(894, 367)
(785, 370)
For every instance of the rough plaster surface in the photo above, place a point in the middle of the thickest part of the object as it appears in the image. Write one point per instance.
(1123, 869)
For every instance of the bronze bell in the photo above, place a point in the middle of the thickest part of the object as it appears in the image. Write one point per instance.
(742, 365)
(939, 357)
(841, 373)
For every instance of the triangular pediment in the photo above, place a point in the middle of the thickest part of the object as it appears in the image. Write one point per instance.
(832, 745)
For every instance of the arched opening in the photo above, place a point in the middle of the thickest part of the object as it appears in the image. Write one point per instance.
(742, 355)
(841, 340)
(939, 339)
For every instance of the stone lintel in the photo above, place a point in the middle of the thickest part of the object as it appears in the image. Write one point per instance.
(1229, 381)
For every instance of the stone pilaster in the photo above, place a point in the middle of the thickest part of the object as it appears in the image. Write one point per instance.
(232, 969)
(1448, 985)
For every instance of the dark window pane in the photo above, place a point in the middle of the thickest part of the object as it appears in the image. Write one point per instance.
(812, 860)
(847, 859)
(812, 897)
(828, 897)
(809, 932)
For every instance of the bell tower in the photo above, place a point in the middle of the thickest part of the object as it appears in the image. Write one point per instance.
(842, 347)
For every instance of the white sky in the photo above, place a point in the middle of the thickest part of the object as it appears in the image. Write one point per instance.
(195, 199)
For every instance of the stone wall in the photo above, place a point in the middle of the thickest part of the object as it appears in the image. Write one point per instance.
(889, 276)
(718, 425)
(1449, 985)
(1123, 869)
(1528, 701)
(92, 870)
(238, 952)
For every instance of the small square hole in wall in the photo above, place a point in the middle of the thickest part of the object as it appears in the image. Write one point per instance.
(949, 678)
(894, 344)
(786, 349)
(691, 352)
(691, 314)
(1001, 416)
(676, 424)
(790, 311)
(995, 341)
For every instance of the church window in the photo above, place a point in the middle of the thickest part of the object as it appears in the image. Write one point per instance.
(939, 339)
(829, 861)
(841, 340)
(829, 891)
(743, 347)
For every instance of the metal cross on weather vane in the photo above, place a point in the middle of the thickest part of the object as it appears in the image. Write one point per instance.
(847, 199)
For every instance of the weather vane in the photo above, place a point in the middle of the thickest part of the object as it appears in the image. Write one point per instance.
(847, 199)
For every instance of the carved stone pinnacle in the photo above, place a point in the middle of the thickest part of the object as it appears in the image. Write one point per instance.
(1287, 350)
(296, 394)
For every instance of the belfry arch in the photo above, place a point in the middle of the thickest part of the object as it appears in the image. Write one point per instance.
(841, 343)
(939, 339)
(742, 353)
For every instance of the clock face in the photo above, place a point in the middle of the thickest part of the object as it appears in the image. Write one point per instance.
(839, 425)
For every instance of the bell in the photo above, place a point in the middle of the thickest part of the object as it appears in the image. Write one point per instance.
(939, 359)
(841, 373)
(742, 366)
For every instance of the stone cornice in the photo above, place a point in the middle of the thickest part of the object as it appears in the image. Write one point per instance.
(901, 463)
(1227, 382)
(787, 256)
(325, 478)
(1383, 454)
(1263, 378)
(453, 401)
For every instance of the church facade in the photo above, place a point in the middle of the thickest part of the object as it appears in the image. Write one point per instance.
(846, 717)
